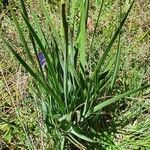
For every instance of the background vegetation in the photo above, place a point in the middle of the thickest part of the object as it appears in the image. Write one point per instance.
(124, 124)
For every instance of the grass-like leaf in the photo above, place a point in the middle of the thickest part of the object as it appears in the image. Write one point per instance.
(76, 132)
(116, 98)
(106, 51)
(65, 27)
(22, 37)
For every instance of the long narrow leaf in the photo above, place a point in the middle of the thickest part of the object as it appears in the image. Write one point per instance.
(116, 98)
(101, 60)
(42, 48)
(31, 37)
(118, 54)
(81, 136)
(65, 27)
(49, 21)
(97, 21)
(81, 40)
(24, 8)
(26, 66)
(22, 37)
(36, 77)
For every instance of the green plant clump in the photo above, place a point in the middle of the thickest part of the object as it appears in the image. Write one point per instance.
(69, 87)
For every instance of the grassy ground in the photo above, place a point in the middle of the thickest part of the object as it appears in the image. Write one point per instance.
(19, 117)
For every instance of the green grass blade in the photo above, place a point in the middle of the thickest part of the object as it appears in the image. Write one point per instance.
(52, 27)
(62, 143)
(81, 40)
(24, 8)
(50, 66)
(30, 35)
(36, 76)
(65, 27)
(118, 54)
(22, 37)
(76, 132)
(40, 34)
(42, 48)
(117, 63)
(38, 28)
(52, 73)
(116, 98)
(26, 66)
(97, 21)
(101, 60)
(73, 11)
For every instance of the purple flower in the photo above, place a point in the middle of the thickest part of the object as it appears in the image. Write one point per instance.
(42, 59)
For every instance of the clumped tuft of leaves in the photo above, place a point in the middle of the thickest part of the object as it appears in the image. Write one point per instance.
(73, 113)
